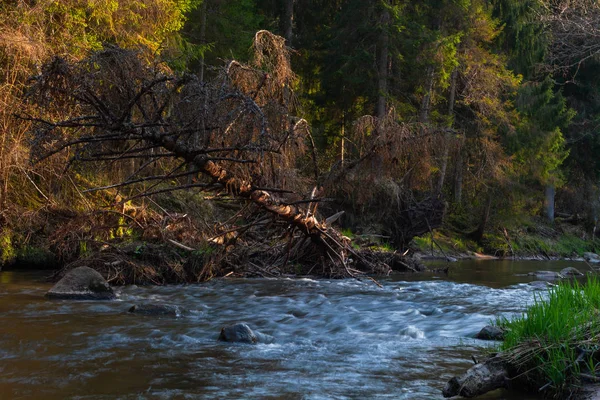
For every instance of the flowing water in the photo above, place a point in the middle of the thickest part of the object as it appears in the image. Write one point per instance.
(334, 339)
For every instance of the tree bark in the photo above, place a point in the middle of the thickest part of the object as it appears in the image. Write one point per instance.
(343, 141)
(478, 234)
(426, 102)
(448, 135)
(384, 40)
(240, 187)
(289, 22)
(203, 39)
(458, 177)
(201, 72)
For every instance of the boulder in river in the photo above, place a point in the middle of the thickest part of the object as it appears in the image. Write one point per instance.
(491, 332)
(548, 275)
(238, 333)
(82, 283)
(570, 271)
(589, 392)
(541, 284)
(161, 310)
(241, 333)
(591, 257)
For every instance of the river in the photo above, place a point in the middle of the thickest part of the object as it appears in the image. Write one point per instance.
(334, 339)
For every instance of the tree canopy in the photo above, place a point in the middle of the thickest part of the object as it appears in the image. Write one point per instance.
(481, 108)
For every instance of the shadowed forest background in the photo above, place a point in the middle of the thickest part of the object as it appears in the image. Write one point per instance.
(166, 140)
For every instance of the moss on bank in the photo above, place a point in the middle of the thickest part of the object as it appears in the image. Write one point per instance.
(531, 239)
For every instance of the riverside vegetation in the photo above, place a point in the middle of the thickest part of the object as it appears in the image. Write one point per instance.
(476, 117)
(143, 139)
(551, 348)
(556, 342)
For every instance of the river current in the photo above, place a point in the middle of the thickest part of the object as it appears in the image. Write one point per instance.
(333, 339)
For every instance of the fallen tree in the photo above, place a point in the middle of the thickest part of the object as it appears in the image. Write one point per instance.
(237, 131)
(153, 131)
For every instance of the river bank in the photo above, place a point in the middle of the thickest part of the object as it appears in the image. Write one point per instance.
(550, 349)
(535, 240)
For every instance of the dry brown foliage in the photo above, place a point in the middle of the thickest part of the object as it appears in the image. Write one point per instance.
(234, 136)
(389, 177)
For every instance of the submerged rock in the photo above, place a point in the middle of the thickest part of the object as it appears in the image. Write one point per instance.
(541, 284)
(82, 283)
(241, 333)
(551, 275)
(490, 332)
(570, 271)
(156, 310)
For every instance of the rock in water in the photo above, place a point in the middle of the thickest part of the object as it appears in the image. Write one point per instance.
(240, 333)
(550, 275)
(570, 271)
(82, 283)
(589, 392)
(156, 310)
(591, 257)
(489, 375)
(490, 332)
(541, 284)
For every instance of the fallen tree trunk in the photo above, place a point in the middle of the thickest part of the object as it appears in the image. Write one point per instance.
(238, 134)
(239, 187)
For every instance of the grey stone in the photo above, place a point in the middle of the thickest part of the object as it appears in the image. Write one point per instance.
(591, 257)
(490, 332)
(240, 333)
(550, 275)
(589, 391)
(82, 283)
(571, 271)
(541, 284)
(161, 310)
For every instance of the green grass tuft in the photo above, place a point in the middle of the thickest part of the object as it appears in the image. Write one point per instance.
(557, 338)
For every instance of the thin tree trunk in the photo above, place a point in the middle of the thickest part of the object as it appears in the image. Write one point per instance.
(343, 133)
(201, 77)
(383, 64)
(448, 134)
(549, 204)
(203, 39)
(458, 178)
(289, 21)
(426, 103)
(478, 234)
